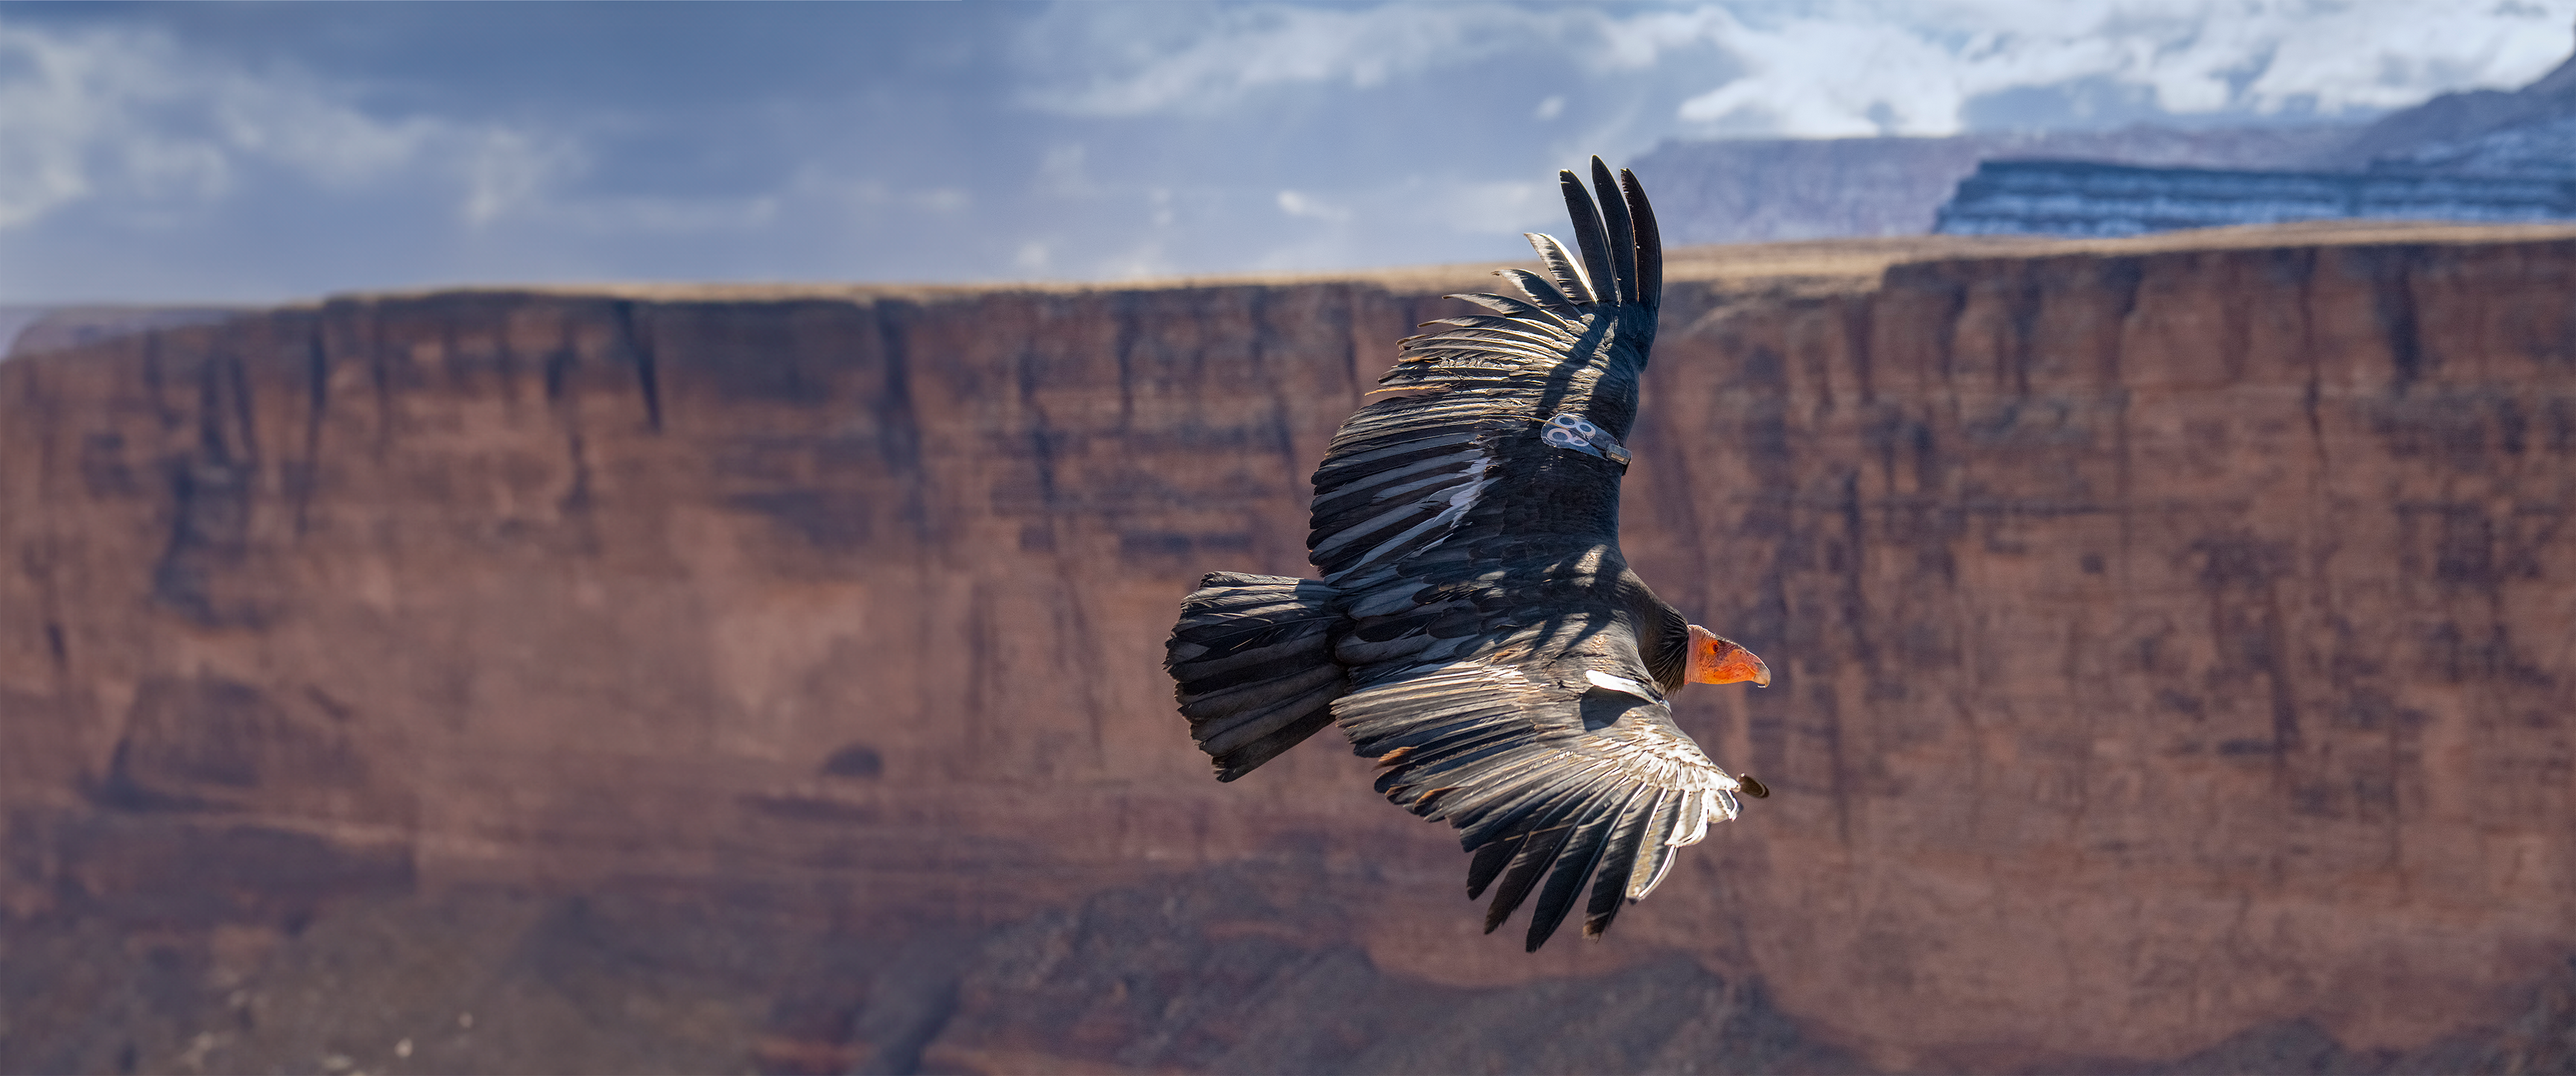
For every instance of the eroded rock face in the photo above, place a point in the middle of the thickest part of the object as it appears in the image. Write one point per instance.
(2178, 620)
(2163, 636)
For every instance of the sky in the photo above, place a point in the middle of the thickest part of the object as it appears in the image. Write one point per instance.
(253, 153)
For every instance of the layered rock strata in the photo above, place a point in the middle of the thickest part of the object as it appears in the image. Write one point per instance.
(2086, 198)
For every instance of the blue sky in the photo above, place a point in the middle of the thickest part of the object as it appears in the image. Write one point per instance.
(264, 152)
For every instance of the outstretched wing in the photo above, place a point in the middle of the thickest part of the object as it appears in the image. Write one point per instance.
(1470, 530)
(1562, 773)
(1466, 455)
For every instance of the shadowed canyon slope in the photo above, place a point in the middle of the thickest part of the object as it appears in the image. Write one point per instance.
(2170, 639)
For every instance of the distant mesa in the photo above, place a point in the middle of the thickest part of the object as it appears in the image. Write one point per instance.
(2090, 198)
(2484, 156)
(1773, 190)
(2525, 132)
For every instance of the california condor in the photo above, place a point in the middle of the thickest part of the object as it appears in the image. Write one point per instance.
(1476, 630)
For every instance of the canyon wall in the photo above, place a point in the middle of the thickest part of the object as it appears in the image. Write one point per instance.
(2166, 638)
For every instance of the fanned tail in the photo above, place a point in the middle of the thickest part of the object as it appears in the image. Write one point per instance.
(1252, 664)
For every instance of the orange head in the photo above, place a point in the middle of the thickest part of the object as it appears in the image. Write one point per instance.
(1717, 660)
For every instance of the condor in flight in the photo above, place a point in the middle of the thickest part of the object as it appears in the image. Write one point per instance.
(1476, 630)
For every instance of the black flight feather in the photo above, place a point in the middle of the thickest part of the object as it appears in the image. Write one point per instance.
(1610, 888)
(1575, 866)
(1588, 238)
(1489, 862)
(1623, 236)
(1571, 279)
(1537, 851)
(1650, 242)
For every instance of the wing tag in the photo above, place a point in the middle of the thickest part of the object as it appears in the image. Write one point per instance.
(1575, 433)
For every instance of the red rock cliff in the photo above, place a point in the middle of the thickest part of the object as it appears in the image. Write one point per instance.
(2166, 637)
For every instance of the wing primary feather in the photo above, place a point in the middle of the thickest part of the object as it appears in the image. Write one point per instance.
(1547, 832)
(1694, 822)
(1588, 237)
(1575, 866)
(1513, 309)
(1500, 304)
(1619, 862)
(1489, 862)
(1658, 849)
(1538, 850)
(1657, 862)
(1539, 290)
(1650, 242)
(1623, 235)
(1489, 327)
(1571, 277)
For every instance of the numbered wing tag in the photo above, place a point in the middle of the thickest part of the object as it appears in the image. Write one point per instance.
(1576, 433)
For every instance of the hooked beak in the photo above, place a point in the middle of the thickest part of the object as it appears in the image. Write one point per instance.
(1716, 660)
(1742, 667)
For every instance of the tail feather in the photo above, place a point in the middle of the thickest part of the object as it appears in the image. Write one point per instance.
(1252, 661)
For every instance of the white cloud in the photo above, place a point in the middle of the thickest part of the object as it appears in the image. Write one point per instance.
(1065, 173)
(1825, 68)
(125, 114)
(1912, 67)
(857, 196)
(1490, 207)
(1297, 204)
(284, 118)
(507, 170)
(1154, 58)
(1143, 260)
(630, 215)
